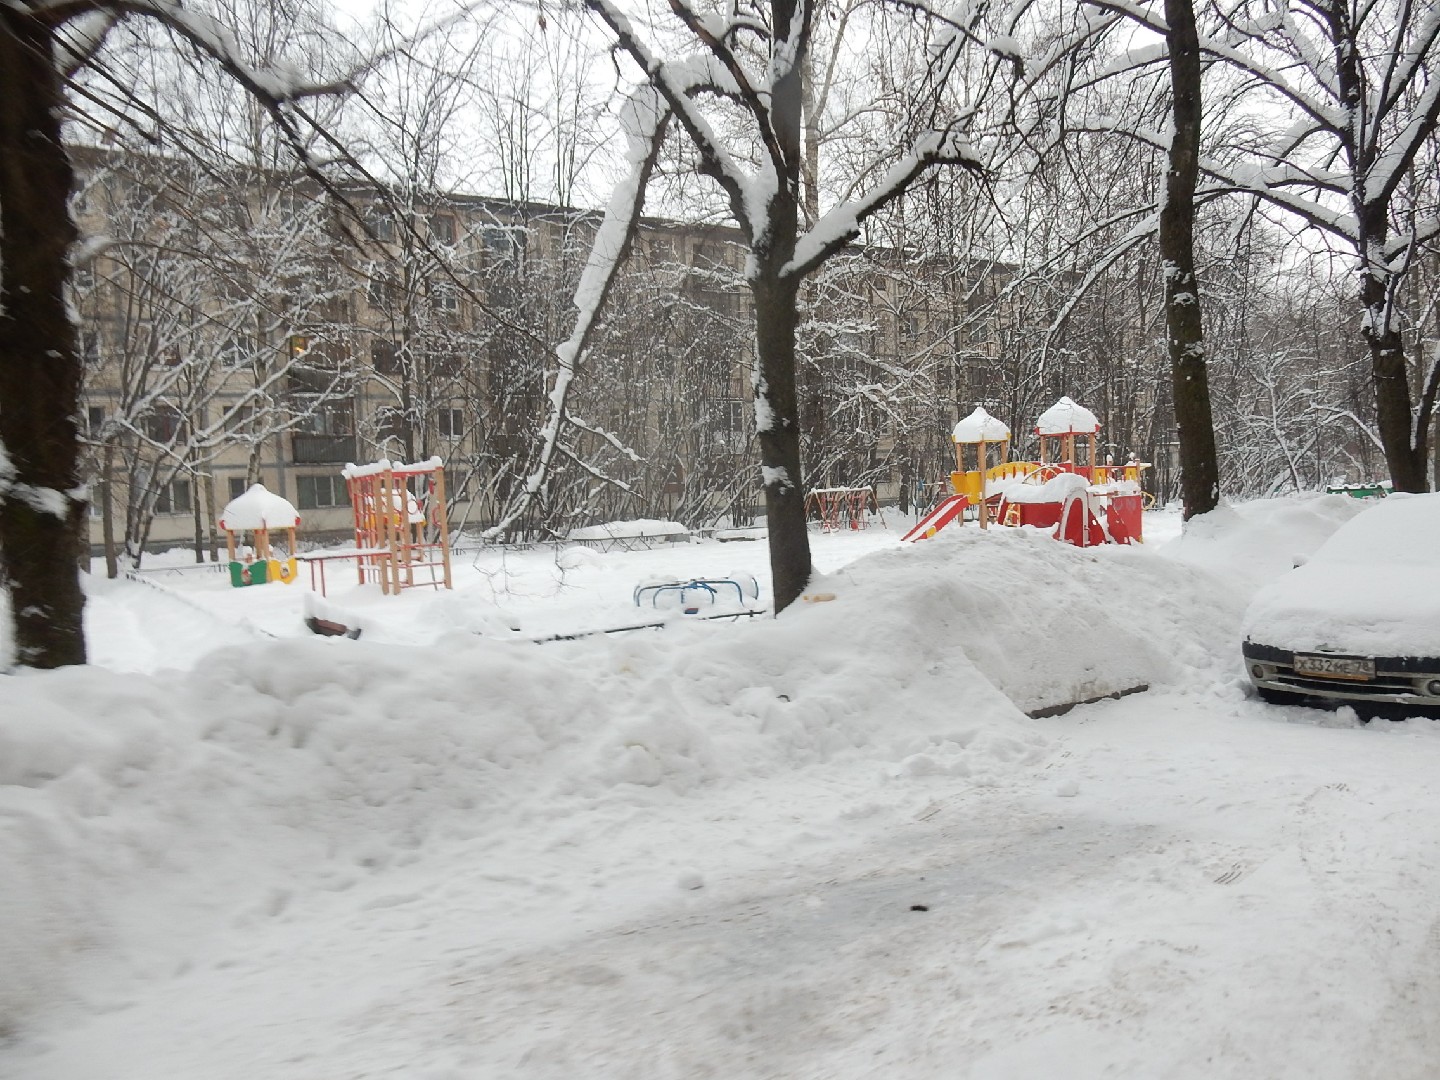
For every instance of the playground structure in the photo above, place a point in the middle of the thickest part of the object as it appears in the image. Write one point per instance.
(408, 527)
(840, 508)
(258, 512)
(695, 593)
(402, 535)
(1085, 501)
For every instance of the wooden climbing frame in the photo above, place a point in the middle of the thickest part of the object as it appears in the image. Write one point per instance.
(841, 508)
(402, 534)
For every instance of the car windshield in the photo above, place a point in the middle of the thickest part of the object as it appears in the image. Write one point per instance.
(1401, 531)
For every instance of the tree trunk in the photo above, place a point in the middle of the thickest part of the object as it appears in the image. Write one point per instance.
(41, 514)
(212, 513)
(1394, 411)
(775, 322)
(1402, 435)
(1199, 468)
(107, 512)
(198, 518)
(810, 173)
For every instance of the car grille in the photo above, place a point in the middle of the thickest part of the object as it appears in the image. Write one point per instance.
(1380, 686)
(1395, 676)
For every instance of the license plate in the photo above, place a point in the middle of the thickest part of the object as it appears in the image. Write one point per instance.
(1359, 668)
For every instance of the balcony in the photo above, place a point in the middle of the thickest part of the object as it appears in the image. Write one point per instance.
(322, 449)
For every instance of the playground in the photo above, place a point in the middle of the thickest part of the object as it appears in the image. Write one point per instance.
(548, 590)
(1067, 489)
(402, 579)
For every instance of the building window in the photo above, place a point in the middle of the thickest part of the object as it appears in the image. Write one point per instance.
(235, 350)
(237, 486)
(161, 426)
(442, 228)
(173, 498)
(445, 299)
(729, 424)
(501, 242)
(389, 424)
(451, 423)
(333, 307)
(380, 224)
(90, 346)
(94, 420)
(443, 365)
(385, 357)
(239, 418)
(320, 492)
(334, 416)
(297, 345)
(710, 255)
(381, 290)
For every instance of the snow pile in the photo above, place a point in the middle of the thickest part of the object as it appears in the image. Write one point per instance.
(1258, 541)
(258, 508)
(141, 813)
(1373, 589)
(1058, 489)
(639, 528)
(980, 426)
(1066, 417)
(314, 763)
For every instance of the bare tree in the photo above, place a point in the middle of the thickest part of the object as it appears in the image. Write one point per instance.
(738, 100)
(1199, 467)
(1351, 91)
(42, 496)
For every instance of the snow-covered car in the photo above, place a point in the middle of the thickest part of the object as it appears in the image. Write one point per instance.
(1359, 621)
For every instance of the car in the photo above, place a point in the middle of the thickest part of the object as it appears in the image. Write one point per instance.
(1357, 623)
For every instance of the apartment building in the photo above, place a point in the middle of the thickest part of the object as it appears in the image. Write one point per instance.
(248, 328)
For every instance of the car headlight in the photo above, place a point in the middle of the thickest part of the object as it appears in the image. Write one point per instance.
(1259, 672)
(1433, 688)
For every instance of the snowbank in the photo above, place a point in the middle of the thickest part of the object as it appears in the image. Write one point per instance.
(140, 811)
(1254, 542)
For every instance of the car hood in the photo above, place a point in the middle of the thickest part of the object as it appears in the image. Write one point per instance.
(1347, 607)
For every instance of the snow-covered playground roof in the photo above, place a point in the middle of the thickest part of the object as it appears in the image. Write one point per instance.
(1065, 417)
(980, 426)
(258, 508)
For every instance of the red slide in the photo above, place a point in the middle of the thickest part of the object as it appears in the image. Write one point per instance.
(944, 513)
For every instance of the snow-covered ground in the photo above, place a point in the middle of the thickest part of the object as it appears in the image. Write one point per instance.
(829, 845)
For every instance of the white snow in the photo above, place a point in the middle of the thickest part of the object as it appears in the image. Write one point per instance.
(258, 508)
(352, 471)
(1057, 489)
(979, 426)
(638, 528)
(830, 844)
(1065, 417)
(1374, 589)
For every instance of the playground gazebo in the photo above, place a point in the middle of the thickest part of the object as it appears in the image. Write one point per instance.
(258, 512)
(1057, 428)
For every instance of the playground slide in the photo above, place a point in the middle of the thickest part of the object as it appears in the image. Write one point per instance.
(943, 514)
